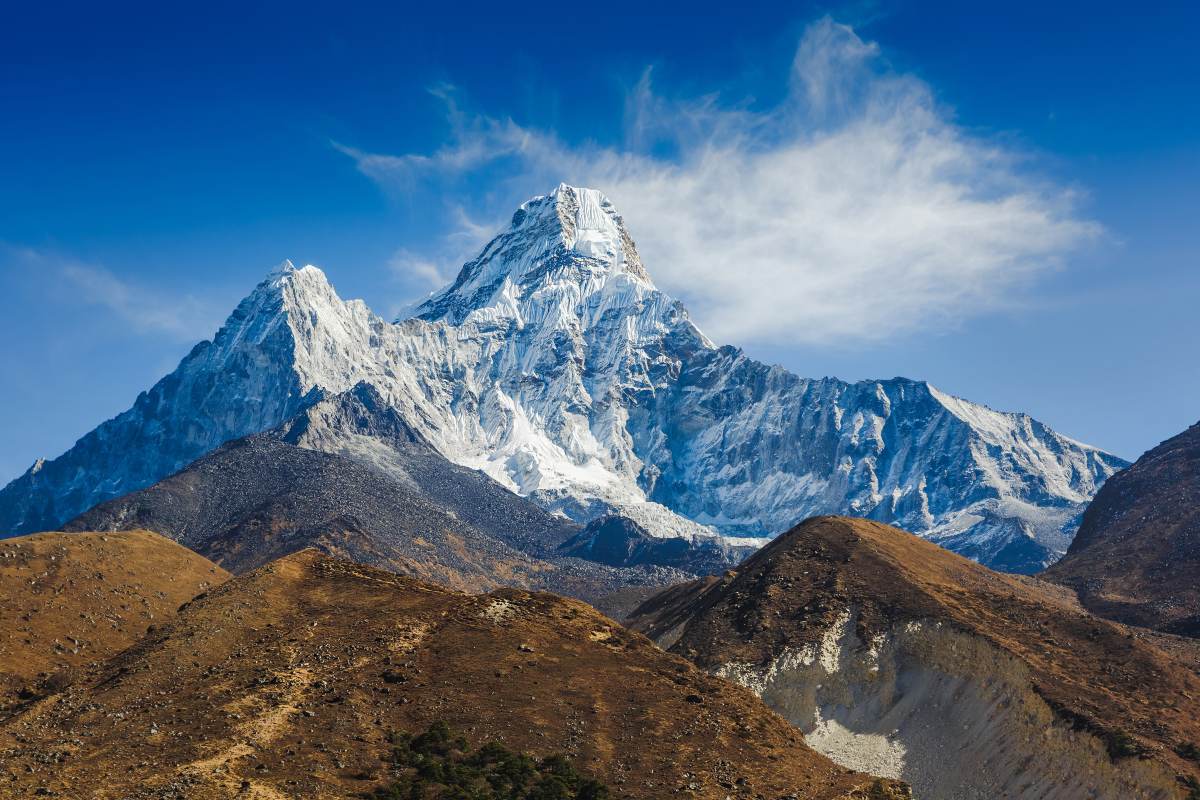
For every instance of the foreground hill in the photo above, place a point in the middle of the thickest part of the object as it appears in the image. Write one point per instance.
(289, 681)
(554, 364)
(1137, 555)
(350, 477)
(895, 656)
(69, 600)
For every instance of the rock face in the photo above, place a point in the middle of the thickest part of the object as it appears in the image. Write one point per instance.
(554, 364)
(1136, 558)
(288, 681)
(70, 600)
(895, 656)
(351, 478)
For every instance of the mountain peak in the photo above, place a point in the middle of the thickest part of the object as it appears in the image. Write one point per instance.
(286, 272)
(589, 226)
(284, 267)
(572, 235)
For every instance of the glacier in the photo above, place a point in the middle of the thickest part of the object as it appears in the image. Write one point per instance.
(554, 364)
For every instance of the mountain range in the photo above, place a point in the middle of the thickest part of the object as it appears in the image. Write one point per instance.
(556, 367)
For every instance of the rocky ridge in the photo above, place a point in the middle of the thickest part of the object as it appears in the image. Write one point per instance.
(350, 477)
(895, 656)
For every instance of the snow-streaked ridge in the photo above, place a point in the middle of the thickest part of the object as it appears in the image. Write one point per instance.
(555, 365)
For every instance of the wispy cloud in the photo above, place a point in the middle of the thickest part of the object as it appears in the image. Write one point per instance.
(414, 268)
(854, 210)
(143, 309)
(422, 272)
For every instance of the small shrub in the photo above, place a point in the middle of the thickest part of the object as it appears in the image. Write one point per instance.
(437, 765)
(1121, 745)
(888, 791)
(1188, 750)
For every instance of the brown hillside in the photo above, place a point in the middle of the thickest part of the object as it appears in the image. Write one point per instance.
(70, 599)
(286, 681)
(1097, 676)
(1136, 557)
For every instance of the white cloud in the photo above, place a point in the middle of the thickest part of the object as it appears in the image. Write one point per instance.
(145, 310)
(182, 317)
(423, 272)
(853, 210)
(413, 268)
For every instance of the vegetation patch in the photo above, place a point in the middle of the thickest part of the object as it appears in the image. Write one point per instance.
(889, 791)
(438, 765)
(1188, 750)
(1121, 745)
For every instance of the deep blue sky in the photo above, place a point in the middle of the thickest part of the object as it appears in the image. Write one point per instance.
(174, 157)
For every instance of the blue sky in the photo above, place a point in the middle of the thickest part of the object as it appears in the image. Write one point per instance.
(1000, 200)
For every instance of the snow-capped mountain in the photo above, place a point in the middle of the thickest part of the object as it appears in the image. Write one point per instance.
(556, 366)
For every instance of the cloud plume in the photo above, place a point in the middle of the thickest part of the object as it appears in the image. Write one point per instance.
(139, 308)
(853, 210)
(183, 318)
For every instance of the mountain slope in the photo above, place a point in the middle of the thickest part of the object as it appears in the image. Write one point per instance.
(239, 383)
(894, 655)
(261, 688)
(68, 600)
(1136, 558)
(351, 478)
(555, 365)
(621, 542)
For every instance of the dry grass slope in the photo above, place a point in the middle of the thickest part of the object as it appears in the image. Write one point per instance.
(71, 599)
(286, 682)
(1136, 558)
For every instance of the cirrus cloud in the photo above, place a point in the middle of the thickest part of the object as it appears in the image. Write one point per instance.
(179, 316)
(852, 211)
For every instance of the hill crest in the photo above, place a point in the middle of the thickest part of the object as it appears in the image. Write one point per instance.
(851, 602)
